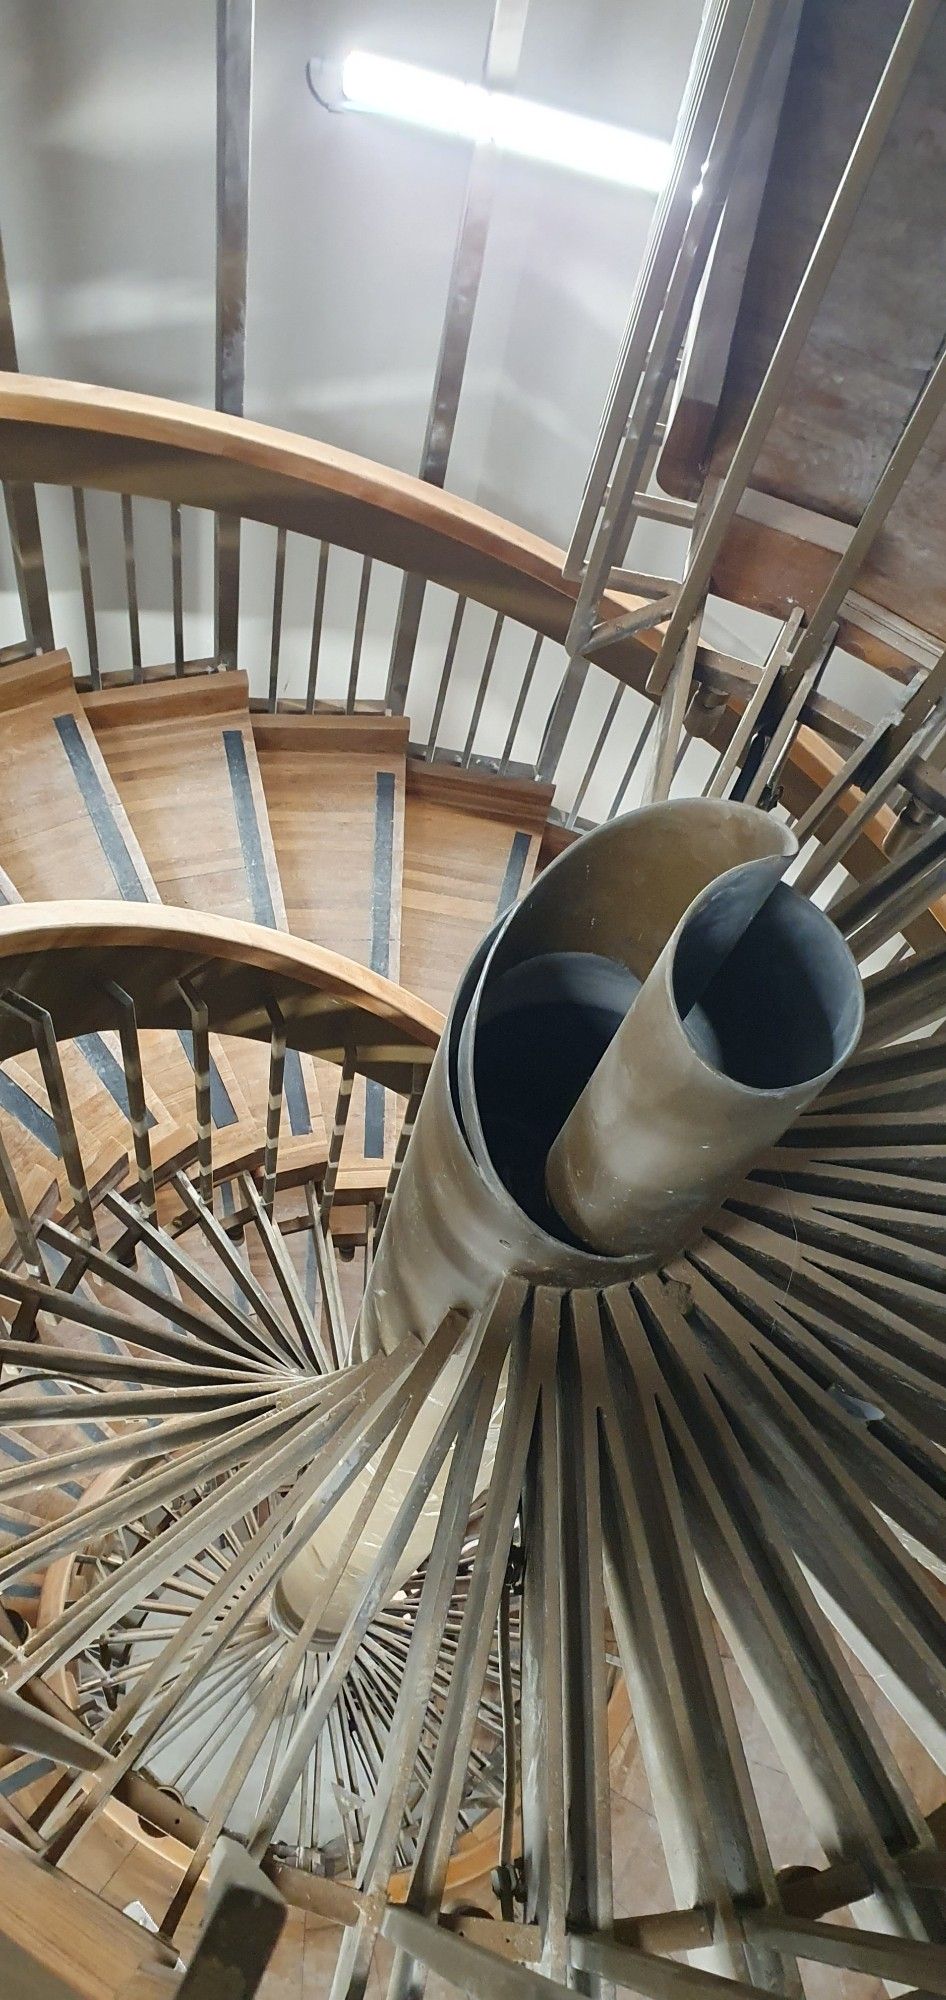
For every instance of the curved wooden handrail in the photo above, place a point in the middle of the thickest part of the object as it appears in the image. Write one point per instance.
(128, 443)
(79, 434)
(63, 955)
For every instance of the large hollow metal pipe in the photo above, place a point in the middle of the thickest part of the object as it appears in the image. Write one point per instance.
(648, 946)
(536, 1009)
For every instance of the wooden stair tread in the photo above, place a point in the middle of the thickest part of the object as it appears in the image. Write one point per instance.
(64, 832)
(64, 1929)
(183, 760)
(471, 845)
(335, 788)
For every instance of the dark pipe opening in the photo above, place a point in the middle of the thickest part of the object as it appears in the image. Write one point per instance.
(543, 1028)
(781, 1007)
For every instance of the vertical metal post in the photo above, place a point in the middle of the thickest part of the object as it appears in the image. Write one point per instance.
(200, 1031)
(137, 1103)
(342, 1108)
(234, 109)
(22, 513)
(131, 584)
(43, 1032)
(834, 234)
(277, 1064)
(177, 586)
(500, 66)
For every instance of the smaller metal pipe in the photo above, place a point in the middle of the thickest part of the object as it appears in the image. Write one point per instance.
(753, 1005)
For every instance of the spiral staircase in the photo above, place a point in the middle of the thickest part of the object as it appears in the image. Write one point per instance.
(586, 1631)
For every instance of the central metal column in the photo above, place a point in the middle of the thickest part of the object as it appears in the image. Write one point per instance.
(622, 1047)
(635, 1032)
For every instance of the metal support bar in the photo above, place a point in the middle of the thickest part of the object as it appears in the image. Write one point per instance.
(12, 1198)
(200, 1030)
(358, 637)
(43, 1032)
(279, 579)
(177, 586)
(137, 1102)
(235, 20)
(131, 584)
(317, 616)
(710, 77)
(481, 692)
(658, 365)
(85, 579)
(22, 512)
(500, 67)
(277, 1064)
(866, 151)
(342, 1107)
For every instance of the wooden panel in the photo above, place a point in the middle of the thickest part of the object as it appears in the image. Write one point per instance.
(461, 868)
(183, 761)
(334, 790)
(82, 1943)
(165, 749)
(49, 842)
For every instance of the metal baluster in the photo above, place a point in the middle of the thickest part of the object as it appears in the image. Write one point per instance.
(485, 678)
(200, 1030)
(448, 659)
(342, 1108)
(137, 1103)
(603, 733)
(22, 512)
(235, 20)
(277, 1064)
(317, 615)
(335, 1323)
(43, 1033)
(521, 699)
(12, 1199)
(177, 586)
(640, 746)
(85, 579)
(279, 578)
(359, 635)
(131, 585)
(418, 1080)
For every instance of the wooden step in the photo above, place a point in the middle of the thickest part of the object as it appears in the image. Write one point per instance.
(183, 761)
(98, 1097)
(59, 1938)
(471, 845)
(65, 833)
(334, 789)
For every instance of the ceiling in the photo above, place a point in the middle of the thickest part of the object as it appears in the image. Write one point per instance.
(107, 212)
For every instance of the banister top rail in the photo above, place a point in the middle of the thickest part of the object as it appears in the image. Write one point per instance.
(64, 957)
(122, 442)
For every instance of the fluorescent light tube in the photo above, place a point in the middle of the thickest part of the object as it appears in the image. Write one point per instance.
(445, 104)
